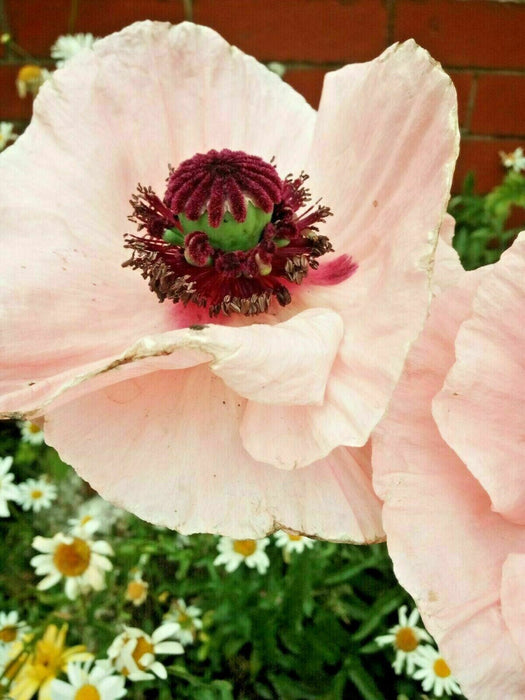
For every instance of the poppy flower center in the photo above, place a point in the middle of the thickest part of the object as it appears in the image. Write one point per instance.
(244, 547)
(72, 559)
(406, 639)
(441, 668)
(229, 235)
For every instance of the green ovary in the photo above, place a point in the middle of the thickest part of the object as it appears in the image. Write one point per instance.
(231, 234)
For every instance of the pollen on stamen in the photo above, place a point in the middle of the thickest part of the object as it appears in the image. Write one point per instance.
(229, 236)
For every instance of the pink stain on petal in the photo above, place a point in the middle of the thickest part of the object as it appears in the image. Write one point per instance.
(326, 350)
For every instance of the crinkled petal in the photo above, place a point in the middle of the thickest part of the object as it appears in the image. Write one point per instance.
(64, 216)
(288, 362)
(387, 130)
(447, 545)
(480, 410)
(181, 464)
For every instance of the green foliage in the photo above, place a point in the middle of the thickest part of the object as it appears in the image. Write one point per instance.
(481, 233)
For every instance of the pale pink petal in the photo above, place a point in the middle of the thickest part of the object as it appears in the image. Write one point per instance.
(513, 600)
(448, 269)
(65, 299)
(181, 464)
(447, 545)
(480, 410)
(293, 437)
(387, 129)
(289, 362)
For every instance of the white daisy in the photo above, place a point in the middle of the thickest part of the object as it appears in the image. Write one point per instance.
(188, 618)
(31, 432)
(134, 653)
(36, 494)
(8, 490)
(103, 512)
(137, 590)
(69, 45)
(84, 527)
(11, 628)
(86, 683)
(81, 562)
(292, 543)
(405, 637)
(6, 134)
(434, 673)
(251, 552)
(514, 160)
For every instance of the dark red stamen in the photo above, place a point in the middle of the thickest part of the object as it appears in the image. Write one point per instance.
(189, 269)
(218, 180)
(197, 249)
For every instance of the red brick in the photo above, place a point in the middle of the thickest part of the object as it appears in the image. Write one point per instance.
(11, 106)
(516, 218)
(463, 85)
(482, 157)
(299, 30)
(459, 33)
(101, 17)
(308, 82)
(35, 25)
(500, 105)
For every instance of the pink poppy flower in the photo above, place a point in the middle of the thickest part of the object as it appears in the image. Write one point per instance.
(241, 404)
(447, 463)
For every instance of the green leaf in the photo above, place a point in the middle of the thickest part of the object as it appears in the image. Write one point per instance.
(362, 680)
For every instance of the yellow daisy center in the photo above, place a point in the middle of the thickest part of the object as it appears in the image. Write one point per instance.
(406, 639)
(295, 538)
(136, 590)
(36, 494)
(85, 519)
(142, 647)
(72, 559)
(8, 634)
(29, 72)
(245, 547)
(33, 428)
(184, 620)
(441, 668)
(87, 692)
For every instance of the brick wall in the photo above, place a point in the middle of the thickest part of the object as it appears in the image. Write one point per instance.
(479, 42)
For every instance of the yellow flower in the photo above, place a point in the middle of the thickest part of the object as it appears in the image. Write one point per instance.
(44, 663)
